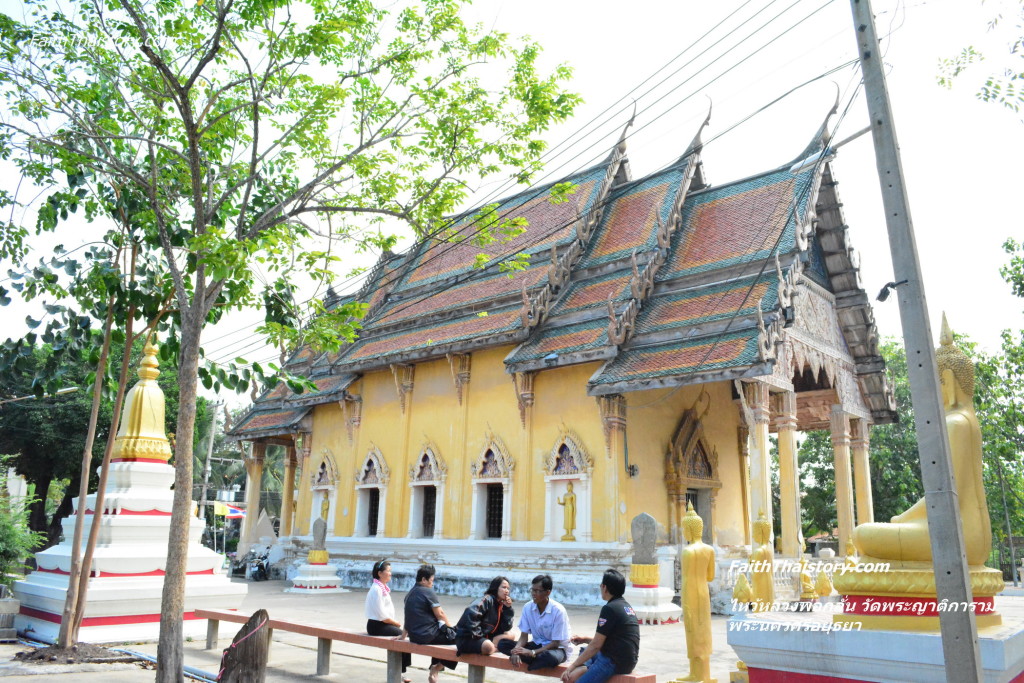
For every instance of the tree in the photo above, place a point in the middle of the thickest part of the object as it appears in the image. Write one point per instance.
(240, 128)
(46, 436)
(1004, 85)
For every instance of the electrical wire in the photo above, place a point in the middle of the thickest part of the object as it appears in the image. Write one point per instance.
(439, 252)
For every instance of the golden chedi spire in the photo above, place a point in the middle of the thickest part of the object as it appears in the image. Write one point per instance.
(141, 437)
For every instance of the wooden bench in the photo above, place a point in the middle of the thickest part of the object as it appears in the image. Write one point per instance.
(325, 635)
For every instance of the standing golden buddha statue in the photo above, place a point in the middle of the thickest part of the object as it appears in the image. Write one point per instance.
(762, 569)
(698, 568)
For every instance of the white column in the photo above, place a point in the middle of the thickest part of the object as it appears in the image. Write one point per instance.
(789, 475)
(760, 463)
(415, 512)
(862, 471)
(474, 519)
(506, 512)
(549, 503)
(253, 484)
(439, 511)
(840, 424)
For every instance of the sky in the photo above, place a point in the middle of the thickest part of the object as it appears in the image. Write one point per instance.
(961, 157)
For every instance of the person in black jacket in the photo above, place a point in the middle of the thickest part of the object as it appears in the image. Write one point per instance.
(486, 621)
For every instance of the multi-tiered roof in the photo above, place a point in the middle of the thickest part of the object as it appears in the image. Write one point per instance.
(666, 279)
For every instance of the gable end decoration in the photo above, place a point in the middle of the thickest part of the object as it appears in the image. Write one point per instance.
(691, 461)
(494, 461)
(429, 466)
(326, 475)
(568, 456)
(374, 470)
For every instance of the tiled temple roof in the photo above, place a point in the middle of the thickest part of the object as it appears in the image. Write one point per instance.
(664, 279)
(736, 353)
(263, 423)
(279, 411)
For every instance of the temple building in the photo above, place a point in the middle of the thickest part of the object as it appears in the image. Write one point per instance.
(494, 422)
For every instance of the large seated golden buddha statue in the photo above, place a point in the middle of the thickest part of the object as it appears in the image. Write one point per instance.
(906, 539)
(896, 558)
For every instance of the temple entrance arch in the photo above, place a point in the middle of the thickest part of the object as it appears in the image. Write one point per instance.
(491, 474)
(371, 495)
(568, 464)
(691, 473)
(324, 486)
(426, 489)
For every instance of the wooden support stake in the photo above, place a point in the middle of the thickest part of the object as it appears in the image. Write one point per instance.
(245, 660)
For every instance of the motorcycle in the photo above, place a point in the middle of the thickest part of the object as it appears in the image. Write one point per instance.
(259, 565)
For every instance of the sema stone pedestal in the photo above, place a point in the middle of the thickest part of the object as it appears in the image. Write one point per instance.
(651, 601)
(787, 647)
(127, 572)
(316, 579)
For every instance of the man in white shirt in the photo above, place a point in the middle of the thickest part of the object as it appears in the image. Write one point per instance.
(544, 631)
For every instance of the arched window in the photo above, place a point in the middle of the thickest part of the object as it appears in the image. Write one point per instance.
(492, 492)
(371, 495)
(426, 483)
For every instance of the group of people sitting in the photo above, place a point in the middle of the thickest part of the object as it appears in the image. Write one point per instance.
(544, 640)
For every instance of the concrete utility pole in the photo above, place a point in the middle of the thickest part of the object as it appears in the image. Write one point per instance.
(952, 581)
(209, 458)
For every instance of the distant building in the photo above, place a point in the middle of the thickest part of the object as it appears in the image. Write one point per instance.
(663, 327)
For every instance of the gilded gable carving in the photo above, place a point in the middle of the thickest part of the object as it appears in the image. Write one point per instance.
(494, 461)
(691, 461)
(429, 466)
(568, 456)
(326, 474)
(374, 469)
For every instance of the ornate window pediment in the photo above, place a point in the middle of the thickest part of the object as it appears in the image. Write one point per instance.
(568, 457)
(691, 462)
(374, 470)
(428, 467)
(494, 461)
(326, 475)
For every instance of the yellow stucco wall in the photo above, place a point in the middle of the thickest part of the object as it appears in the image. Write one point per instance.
(460, 433)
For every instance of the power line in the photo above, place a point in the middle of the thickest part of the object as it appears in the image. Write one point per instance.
(440, 252)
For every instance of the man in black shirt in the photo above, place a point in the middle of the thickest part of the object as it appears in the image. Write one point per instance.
(615, 646)
(425, 620)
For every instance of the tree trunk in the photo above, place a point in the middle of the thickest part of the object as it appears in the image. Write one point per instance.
(37, 509)
(63, 510)
(170, 656)
(245, 660)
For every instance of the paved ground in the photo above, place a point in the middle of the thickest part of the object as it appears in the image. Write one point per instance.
(293, 658)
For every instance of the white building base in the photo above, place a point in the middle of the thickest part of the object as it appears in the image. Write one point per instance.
(316, 579)
(807, 648)
(465, 567)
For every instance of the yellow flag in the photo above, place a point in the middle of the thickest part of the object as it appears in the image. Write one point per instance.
(220, 508)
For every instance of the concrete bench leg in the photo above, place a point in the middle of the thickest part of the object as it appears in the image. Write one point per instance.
(476, 673)
(323, 656)
(211, 633)
(394, 667)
